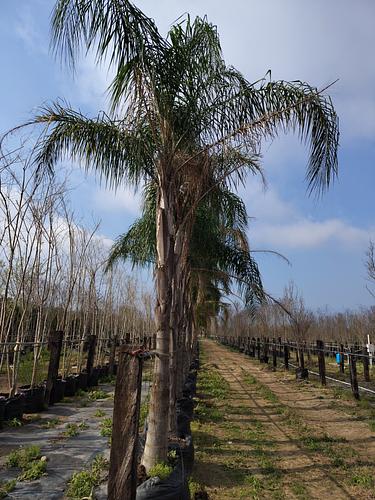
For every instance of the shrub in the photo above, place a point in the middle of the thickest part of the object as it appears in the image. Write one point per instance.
(106, 427)
(34, 471)
(161, 470)
(99, 413)
(6, 487)
(23, 456)
(98, 394)
(82, 483)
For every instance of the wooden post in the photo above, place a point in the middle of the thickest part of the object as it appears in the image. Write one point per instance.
(265, 349)
(353, 373)
(253, 346)
(286, 356)
(342, 359)
(54, 346)
(366, 364)
(321, 362)
(301, 358)
(122, 480)
(90, 354)
(112, 355)
(258, 348)
(274, 354)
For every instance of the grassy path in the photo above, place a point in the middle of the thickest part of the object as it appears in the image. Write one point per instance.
(257, 436)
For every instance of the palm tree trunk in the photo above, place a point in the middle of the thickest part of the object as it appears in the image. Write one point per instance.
(157, 438)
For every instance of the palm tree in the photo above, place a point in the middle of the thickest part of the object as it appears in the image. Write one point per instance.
(174, 103)
(218, 255)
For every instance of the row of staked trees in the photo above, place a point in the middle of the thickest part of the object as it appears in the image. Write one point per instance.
(187, 129)
(52, 276)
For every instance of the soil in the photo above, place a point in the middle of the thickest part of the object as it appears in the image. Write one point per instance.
(310, 446)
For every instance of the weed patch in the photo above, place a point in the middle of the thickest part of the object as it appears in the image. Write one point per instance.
(7, 487)
(29, 461)
(82, 484)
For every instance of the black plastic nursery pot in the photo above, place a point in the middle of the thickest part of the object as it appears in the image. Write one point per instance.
(82, 379)
(14, 406)
(71, 385)
(105, 370)
(58, 391)
(302, 373)
(93, 379)
(34, 398)
(2, 410)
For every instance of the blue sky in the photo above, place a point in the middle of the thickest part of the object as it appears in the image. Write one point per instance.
(318, 42)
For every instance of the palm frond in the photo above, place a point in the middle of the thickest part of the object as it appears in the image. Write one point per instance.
(117, 154)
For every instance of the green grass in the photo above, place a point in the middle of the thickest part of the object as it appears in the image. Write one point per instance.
(162, 470)
(106, 427)
(83, 483)
(300, 490)
(98, 394)
(7, 487)
(14, 422)
(29, 461)
(99, 413)
(23, 456)
(212, 384)
(73, 429)
(34, 471)
(363, 477)
(144, 411)
(50, 424)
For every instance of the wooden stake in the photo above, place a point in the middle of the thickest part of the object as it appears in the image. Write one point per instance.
(122, 481)
(321, 362)
(353, 373)
(55, 346)
(274, 354)
(286, 356)
(342, 359)
(366, 365)
(90, 354)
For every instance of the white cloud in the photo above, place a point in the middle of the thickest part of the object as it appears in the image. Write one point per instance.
(304, 234)
(278, 224)
(120, 200)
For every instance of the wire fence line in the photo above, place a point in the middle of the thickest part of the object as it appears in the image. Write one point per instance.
(353, 362)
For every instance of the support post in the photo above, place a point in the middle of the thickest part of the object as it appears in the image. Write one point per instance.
(321, 362)
(122, 481)
(112, 355)
(55, 346)
(366, 364)
(353, 373)
(90, 354)
(258, 348)
(342, 359)
(286, 356)
(274, 354)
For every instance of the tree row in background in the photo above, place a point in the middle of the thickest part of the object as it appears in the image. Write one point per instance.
(52, 276)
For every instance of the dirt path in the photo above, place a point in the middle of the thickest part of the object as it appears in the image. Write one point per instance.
(277, 439)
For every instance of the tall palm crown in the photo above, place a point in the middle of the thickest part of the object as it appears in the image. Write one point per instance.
(175, 99)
